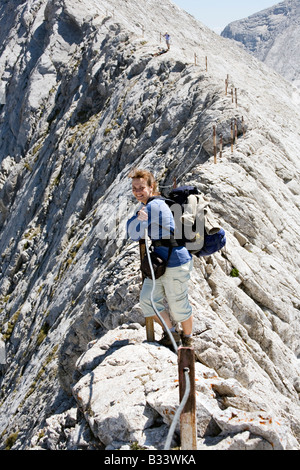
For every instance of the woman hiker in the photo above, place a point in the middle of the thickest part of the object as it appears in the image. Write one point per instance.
(155, 215)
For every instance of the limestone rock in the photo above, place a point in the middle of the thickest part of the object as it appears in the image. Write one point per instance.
(135, 387)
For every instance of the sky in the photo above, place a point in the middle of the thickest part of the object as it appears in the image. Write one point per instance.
(216, 14)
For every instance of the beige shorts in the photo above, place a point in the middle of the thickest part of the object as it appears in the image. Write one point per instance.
(172, 286)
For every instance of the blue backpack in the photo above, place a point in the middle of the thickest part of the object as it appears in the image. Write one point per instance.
(212, 243)
(210, 238)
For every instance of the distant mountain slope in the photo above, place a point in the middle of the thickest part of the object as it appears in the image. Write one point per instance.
(273, 36)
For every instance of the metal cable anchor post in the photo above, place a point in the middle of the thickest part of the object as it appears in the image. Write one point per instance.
(179, 409)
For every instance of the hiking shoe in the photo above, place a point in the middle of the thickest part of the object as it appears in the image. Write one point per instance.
(166, 340)
(187, 341)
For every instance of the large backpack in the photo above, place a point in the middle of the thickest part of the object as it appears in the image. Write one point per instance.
(195, 226)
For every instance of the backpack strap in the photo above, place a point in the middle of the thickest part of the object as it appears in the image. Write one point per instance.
(166, 242)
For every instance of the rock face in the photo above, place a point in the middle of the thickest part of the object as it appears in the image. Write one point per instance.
(272, 35)
(86, 100)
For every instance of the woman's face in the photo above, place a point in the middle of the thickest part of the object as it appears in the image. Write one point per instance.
(141, 190)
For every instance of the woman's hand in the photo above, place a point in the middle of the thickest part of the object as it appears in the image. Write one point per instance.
(143, 215)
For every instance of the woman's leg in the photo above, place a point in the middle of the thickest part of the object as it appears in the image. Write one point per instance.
(148, 310)
(187, 326)
(158, 298)
(165, 316)
(175, 283)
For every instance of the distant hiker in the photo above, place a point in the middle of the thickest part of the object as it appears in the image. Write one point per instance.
(168, 39)
(156, 216)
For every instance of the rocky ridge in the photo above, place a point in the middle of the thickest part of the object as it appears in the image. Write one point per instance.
(86, 100)
(272, 35)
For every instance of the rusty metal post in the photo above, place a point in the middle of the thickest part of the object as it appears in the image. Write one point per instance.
(226, 84)
(206, 64)
(142, 251)
(235, 131)
(149, 321)
(221, 146)
(236, 97)
(188, 426)
(231, 136)
(150, 330)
